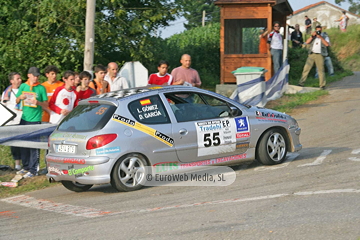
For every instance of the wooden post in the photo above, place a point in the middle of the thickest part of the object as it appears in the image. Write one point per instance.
(203, 19)
(89, 35)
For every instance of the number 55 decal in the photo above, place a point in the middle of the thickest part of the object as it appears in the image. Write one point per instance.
(215, 141)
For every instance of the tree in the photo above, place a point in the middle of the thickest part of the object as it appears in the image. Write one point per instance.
(354, 5)
(192, 11)
(43, 32)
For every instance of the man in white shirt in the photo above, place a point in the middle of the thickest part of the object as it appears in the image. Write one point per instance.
(8, 98)
(116, 82)
(275, 41)
(317, 52)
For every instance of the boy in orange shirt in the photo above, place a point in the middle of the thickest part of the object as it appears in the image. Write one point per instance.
(50, 85)
(99, 84)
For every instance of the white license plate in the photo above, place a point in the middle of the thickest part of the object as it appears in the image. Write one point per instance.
(65, 148)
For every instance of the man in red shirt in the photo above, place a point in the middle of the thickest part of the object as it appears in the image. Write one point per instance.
(162, 77)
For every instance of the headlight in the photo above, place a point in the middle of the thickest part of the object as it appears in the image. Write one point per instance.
(293, 124)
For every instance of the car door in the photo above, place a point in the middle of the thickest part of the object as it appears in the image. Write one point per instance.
(205, 128)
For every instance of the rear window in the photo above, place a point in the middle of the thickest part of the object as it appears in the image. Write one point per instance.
(87, 118)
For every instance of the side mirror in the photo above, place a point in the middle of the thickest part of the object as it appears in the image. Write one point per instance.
(235, 112)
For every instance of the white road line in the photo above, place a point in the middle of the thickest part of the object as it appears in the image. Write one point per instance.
(356, 151)
(46, 205)
(42, 204)
(289, 159)
(319, 160)
(356, 159)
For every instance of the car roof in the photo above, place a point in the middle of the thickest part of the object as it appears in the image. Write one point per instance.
(119, 94)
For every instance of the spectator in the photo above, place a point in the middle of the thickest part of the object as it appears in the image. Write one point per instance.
(315, 23)
(114, 79)
(308, 25)
(99, 84)
(50, 85)
(64, 98)
(162, 77)
(275, 42)
(185, 75)
(327, 59)
(9, 100)
(34, 99)
(263, 40)
(344, 19)
(77, 79)
(296, 37)
(317, 52)
(84, 91)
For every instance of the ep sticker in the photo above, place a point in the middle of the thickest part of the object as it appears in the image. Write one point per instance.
(216, 136)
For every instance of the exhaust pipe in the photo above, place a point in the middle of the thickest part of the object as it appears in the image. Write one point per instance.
(51, 180)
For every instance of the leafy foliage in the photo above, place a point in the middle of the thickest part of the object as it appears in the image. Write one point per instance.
(354, 5)
(40, 33)
(203, 45)
(192, 11)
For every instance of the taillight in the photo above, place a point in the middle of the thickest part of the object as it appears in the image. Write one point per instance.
(100, 140)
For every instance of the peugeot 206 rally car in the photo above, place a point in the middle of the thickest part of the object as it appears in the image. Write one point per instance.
(114, 137)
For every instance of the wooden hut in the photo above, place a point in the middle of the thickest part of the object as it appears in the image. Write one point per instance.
(241, 21)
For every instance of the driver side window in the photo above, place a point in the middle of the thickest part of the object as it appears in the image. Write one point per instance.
(189, 106)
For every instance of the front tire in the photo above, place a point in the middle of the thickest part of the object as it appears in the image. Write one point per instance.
(272, 147)
(76, 187)
(129, 173)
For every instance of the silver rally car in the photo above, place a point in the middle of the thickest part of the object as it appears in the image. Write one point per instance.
(113, 137)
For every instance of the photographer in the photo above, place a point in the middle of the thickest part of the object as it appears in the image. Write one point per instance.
(317, 52)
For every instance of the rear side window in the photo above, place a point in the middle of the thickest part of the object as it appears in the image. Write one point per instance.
(149, 110)
(87, 118)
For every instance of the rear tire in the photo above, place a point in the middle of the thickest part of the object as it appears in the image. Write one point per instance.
(272, 148)
(76, 187)
(129, 173)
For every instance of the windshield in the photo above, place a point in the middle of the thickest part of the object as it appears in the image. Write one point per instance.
(87, 118)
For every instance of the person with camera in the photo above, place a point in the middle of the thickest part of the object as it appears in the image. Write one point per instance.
(317, 51)
(275, 43)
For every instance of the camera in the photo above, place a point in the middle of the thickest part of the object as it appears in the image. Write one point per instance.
(318, 32)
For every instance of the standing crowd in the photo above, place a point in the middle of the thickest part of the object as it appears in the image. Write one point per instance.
(318, 44)
(50, 101)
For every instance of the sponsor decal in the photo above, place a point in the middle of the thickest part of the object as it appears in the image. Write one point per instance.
(267, 116)
(67, 136)
(54, 170)
(78, 172)
(102, 151)
(243, 135)
(166, 166)
(242, 147)
(145, 129)
(65, 160)
(214, 137)
(242, 127)
(145, 102)
(154, 88)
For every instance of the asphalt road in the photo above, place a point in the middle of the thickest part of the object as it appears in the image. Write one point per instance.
(313, 195)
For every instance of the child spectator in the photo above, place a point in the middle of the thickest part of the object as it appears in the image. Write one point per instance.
(99, 84)
(84, 91)
(50, 85)
(64, 98)
(77, 79)
(162, 77)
